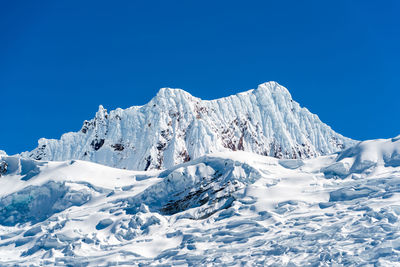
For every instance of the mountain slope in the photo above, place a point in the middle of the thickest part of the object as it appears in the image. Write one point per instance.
(175, 127)
(334, 210)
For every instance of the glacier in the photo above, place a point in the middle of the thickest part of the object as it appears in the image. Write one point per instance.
(251, 179)
(220, 209)
(175, 127)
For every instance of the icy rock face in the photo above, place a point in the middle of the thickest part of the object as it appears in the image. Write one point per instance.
(203, 186)
(175, 127)
(3, 168)
(28, 168)
(3, 164)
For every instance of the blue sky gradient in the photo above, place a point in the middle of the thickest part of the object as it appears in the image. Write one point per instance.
(60, 59)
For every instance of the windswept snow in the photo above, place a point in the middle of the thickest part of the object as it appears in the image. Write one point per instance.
(175, 127)
(220, 209)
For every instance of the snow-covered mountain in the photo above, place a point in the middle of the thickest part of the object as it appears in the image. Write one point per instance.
(251, 179)
(230, 207)
(175, 127)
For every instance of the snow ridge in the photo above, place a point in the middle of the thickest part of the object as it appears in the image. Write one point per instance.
(175, 127)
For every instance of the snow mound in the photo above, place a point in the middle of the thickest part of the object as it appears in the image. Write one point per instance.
(373, 153)
(175, 127)
(366, 156)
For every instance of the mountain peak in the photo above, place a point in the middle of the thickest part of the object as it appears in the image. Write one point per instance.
(176, 127)
(101, 114)
(167, 92)
(273, 88)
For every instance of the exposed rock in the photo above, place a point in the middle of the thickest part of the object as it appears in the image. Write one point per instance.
(118, 147)
(97, 144)
(3, 168)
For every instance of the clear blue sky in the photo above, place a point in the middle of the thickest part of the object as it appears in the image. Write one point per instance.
(60, 59)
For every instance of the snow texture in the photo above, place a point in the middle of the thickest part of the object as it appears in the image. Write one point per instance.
(175, 127)
(222, 209)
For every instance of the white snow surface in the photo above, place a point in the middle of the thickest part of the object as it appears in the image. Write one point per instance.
(175, 127)
(222, 209)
